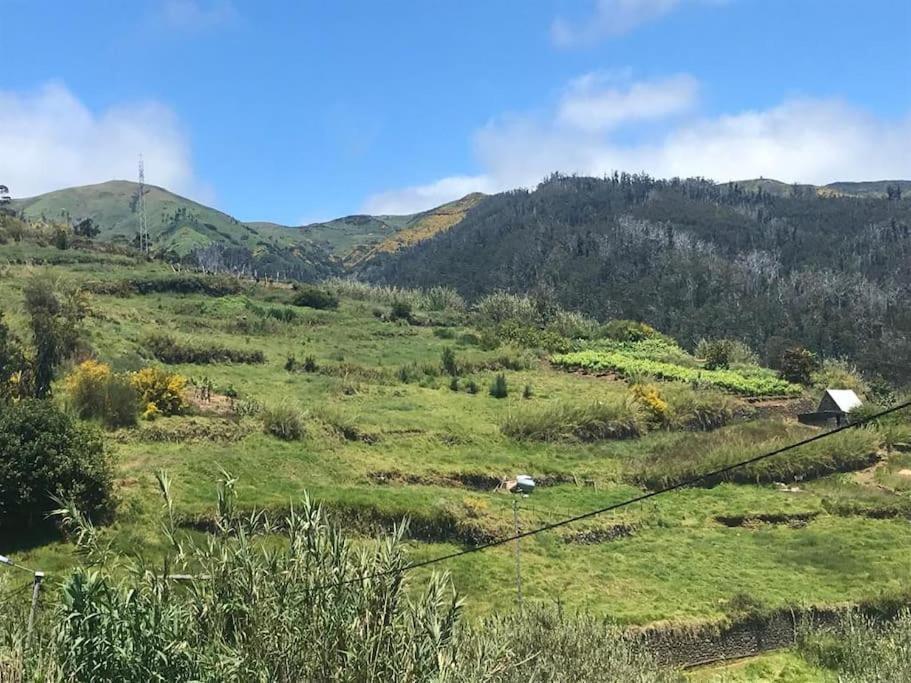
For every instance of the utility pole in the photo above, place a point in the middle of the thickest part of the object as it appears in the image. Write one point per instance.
(144, 246)
(515, 519)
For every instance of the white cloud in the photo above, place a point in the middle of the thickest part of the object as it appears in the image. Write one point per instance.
(612, 18)
(420, 197)
(589, 105)
(49, 140)
(798, 140)
(197, 14)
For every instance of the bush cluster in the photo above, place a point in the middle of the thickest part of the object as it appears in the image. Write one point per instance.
(45, 457)
(95, 392)
(284, 421)
(160, 392)
(310, 296)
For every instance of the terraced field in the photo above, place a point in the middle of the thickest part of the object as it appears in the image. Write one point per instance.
(391, 433)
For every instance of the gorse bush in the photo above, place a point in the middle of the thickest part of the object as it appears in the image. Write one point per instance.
(169, 350)
(314, 297)
(284, 421)
(297, 611)
(649, 397)
(94, 392)
(45, 454)
(723, 353)
(165, 390)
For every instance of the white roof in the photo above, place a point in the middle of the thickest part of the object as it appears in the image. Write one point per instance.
(845, 399)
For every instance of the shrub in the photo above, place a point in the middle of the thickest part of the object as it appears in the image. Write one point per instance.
(291, 363)
(649, 397)
(614, 419)
(472, 387)
(454, 384)
(310, 364)
(498, 388)
(284, 422)
(45, 454)
(527, 392)
(628, 330)
(314, 297)
(95, 392)
(401, 310)
(442, 299)
(797, 365)
(839, 374)
(55, 319)
(168, 350)
(723, 353)
(163, 389)
(448, 362)
(12, 362)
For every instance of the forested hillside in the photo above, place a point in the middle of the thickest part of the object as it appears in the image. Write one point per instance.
(812, 265)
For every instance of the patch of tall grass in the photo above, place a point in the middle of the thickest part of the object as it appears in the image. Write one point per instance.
(314, 607)
(615, 419)
(682, 460)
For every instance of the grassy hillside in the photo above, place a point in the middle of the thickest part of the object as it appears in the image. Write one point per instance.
(388, 432)
(181, 229)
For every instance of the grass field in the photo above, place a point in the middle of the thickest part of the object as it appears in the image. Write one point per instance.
(387, 436)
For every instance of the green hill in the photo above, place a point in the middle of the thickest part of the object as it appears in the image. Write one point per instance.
(183, 230)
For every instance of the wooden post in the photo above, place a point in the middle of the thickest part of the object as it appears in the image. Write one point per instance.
(36, 588)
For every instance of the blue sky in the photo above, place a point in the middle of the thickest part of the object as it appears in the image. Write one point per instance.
(298, 111)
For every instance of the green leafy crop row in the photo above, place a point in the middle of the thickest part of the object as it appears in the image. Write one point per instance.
(628, 365)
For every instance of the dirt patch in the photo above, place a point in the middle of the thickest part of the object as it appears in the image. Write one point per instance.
(211, 405)
(904, 473)
(215, 430)
(752, 520)
(593, 536)
(475, 481)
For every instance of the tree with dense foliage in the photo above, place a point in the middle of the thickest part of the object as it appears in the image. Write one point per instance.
(798, 365)
(47, 455)
(55, 318)
(692, 258)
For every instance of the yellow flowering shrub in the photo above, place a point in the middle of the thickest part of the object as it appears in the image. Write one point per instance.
(94, 391)
(86, 388)
(164, 389)
(648, 396)
(151, 412)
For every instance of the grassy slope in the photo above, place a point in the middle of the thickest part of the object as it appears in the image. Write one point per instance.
(679, 564)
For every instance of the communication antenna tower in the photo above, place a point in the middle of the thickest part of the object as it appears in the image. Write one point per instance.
(144, 245)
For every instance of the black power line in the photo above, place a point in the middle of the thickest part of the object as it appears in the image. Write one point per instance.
(637, 499)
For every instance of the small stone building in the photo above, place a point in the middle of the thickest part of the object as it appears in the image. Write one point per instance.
(833, 407)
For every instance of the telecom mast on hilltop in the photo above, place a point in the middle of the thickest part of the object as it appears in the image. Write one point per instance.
(144, 245)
